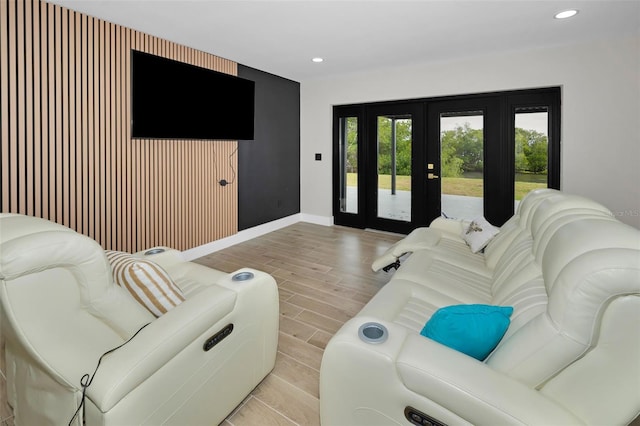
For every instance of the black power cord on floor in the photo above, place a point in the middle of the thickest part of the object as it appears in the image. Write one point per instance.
(86, 380)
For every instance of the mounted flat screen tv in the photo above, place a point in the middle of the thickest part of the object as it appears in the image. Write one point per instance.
(175, 100)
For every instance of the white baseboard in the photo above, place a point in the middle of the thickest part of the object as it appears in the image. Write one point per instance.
(254, 232)
(318, 220)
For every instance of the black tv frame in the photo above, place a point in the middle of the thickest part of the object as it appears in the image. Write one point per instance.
(176, 100)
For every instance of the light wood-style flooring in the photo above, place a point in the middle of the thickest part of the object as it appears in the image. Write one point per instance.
(324, 278)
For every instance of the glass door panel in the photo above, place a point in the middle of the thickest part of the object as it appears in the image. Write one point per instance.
(531, 150)
(399, 165)
(462, 164)
(394, 135)
(348, 158)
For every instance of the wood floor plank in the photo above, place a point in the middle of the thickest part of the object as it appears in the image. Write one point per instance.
(301, 351)
(283, 294)
(289, 275)
(320, 321)
(256, 412)
(290, 272)
(256, 261)
(287, 399)
(289, 310)
(308, 262)
(296, 329)
(370, 286)
(317, 306)
(313, 283)
(319, 339)
(339, 297)
(300, 375)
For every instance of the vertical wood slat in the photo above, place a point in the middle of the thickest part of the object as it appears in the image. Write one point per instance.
(37, 124)
(51, 109)
(13, 103)
(4, 106)
(28, 34)
(67, 153)
(84, 96)
(21, 84)
(72, 119)
(44, 110)
(64, 106)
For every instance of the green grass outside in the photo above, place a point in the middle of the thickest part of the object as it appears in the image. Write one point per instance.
(460, 186)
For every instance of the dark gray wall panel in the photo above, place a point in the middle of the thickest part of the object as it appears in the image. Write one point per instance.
(269, 165)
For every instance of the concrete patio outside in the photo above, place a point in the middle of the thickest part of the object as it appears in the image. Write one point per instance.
(398, 206)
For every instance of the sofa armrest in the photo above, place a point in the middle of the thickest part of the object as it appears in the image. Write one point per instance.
(422, 238)
(450, 228)
(472, 389)
(124, 369)
(183, 328)
(363, 384)
(162, 255)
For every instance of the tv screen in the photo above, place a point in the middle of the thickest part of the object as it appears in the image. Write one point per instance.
(175, 100)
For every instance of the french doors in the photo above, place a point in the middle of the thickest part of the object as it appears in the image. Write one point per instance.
(399, 165)
(379, 152)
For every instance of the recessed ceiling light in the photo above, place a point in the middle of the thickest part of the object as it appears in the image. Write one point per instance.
(317, 59)
(566, 14)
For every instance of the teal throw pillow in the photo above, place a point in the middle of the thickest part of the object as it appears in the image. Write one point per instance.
(471, 329)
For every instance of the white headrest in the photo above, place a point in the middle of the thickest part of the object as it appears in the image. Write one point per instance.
(27, 249)
(563, 205)
(531, 201)
(13, 225)
(586, 285)
(576, 238)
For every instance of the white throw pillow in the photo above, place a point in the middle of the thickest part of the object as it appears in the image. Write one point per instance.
(146, 281)
(478, 234)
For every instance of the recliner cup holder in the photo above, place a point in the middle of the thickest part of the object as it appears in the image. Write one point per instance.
(373, 332)
(242, 276)
(153, 251)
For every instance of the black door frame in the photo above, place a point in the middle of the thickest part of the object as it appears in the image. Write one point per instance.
(492, 155)
(354, 220)
(418, 167)
(499, 109)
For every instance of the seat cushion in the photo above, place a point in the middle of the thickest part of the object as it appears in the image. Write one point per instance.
(448, 274)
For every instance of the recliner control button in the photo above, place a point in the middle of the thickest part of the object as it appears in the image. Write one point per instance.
(420, 419)
(217, 338)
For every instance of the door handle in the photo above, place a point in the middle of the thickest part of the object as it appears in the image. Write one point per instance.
(432, 176)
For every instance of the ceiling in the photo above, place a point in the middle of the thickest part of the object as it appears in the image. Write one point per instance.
(281, 37)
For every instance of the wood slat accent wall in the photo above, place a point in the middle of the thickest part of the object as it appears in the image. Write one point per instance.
(67, 153)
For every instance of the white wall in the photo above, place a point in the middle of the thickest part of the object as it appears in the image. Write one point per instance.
(600, 113)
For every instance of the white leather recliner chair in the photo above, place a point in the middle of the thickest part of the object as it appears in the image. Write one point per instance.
(61, 311)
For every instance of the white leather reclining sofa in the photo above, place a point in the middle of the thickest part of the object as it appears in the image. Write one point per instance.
(61, 310)
(570, 355)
